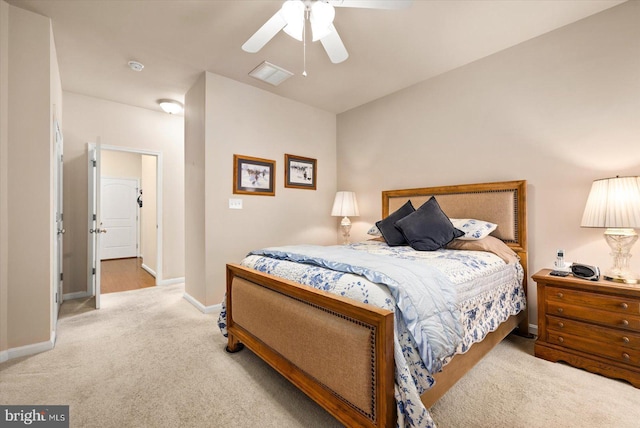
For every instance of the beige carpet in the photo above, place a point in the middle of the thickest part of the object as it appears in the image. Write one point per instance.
(150, 359)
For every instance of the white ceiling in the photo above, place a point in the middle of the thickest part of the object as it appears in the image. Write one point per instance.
(389, 49)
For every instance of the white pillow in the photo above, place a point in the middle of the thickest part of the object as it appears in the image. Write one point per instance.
(473, 229)
(374, 231)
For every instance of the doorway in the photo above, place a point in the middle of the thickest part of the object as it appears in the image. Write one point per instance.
(124, 275)
(120, 214)
(125, 250)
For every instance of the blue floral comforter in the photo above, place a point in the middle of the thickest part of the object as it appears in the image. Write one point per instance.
(485, 292)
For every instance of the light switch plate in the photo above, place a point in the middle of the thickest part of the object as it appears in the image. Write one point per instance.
(235, 204)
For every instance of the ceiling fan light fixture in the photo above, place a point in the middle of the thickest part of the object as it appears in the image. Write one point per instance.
(170, 106)
(270, 73)
(321, 18)
(292, 12)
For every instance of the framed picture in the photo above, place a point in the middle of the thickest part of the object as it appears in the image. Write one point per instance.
(299, 172)
(253, 176)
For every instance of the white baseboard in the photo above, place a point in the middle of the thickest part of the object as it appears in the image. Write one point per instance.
(533, 329)
(148, 269)
(26, 350)
(202, 308)
(171, 281)
(76, 295)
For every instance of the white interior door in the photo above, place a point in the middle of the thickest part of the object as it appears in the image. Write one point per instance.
(93, 247)
(59, 220)
(119, 215)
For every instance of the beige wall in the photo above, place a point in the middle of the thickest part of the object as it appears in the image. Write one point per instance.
(223, 118)
(87, 118)
(117, 164)
(4, 176)
(30, 94)
(148, 219)
(194, 192)
(559, 111)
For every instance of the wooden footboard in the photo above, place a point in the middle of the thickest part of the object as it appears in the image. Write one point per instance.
(337, 351)
(462, 363)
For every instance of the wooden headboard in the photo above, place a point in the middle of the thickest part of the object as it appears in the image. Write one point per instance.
(503, 203)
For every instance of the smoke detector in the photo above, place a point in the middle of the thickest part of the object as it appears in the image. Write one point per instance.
(135, 65)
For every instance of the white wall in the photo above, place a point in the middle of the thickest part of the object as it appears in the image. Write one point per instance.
(223, 118)
(87, 118)
(559, 111)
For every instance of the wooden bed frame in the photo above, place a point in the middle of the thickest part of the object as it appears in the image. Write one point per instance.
(339, 351)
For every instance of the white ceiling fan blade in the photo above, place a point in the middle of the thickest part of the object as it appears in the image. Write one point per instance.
(333, 45)
(371, 4)
(264, 33)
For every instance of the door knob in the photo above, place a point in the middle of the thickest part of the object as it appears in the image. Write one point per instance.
(61, 231)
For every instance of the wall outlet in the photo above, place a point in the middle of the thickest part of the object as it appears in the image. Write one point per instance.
(235, 204)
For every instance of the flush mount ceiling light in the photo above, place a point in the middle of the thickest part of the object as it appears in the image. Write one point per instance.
(270, 73)
(135, 65)
(170, 106)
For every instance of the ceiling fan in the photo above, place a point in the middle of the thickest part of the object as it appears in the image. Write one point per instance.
(320, 13)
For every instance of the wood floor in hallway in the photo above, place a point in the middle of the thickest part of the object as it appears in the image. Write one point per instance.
(123, 275)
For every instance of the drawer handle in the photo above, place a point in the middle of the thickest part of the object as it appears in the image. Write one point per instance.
(560, 295)
(561, 324)
(560, 310)
(560, 339)
(625, 322)
(625, 356)
(625, 339)
(624, 306)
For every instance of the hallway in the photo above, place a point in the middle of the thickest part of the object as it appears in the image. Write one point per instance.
(123, 275)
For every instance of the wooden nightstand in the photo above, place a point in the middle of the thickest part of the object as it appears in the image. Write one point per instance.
(594, 325)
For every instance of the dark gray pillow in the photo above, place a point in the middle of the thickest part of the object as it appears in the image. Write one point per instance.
(391, 234)
(428, 228)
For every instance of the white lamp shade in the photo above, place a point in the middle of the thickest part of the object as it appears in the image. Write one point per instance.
(613, 203)
(293, 13)
(345, 205)
(322, 15)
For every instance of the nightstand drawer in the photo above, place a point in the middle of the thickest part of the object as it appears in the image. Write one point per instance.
(609, 336)
(594, 325)
(609, 319)
(592, 300)
(618, 353)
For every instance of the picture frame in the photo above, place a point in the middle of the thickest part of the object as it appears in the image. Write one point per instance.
(254, 176)
(300, 172)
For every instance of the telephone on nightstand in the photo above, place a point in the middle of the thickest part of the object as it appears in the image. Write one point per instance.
(559, 265)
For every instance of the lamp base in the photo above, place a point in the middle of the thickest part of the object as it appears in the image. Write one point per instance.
(622, 280)
(345, 225)
(621, 241)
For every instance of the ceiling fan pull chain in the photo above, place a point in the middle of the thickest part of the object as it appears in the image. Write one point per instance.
(304, 44)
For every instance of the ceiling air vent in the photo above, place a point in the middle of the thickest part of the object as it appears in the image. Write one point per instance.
(270, 73)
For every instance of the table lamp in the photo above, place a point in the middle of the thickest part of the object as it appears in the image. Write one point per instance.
(345, 206)
(614, 204)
